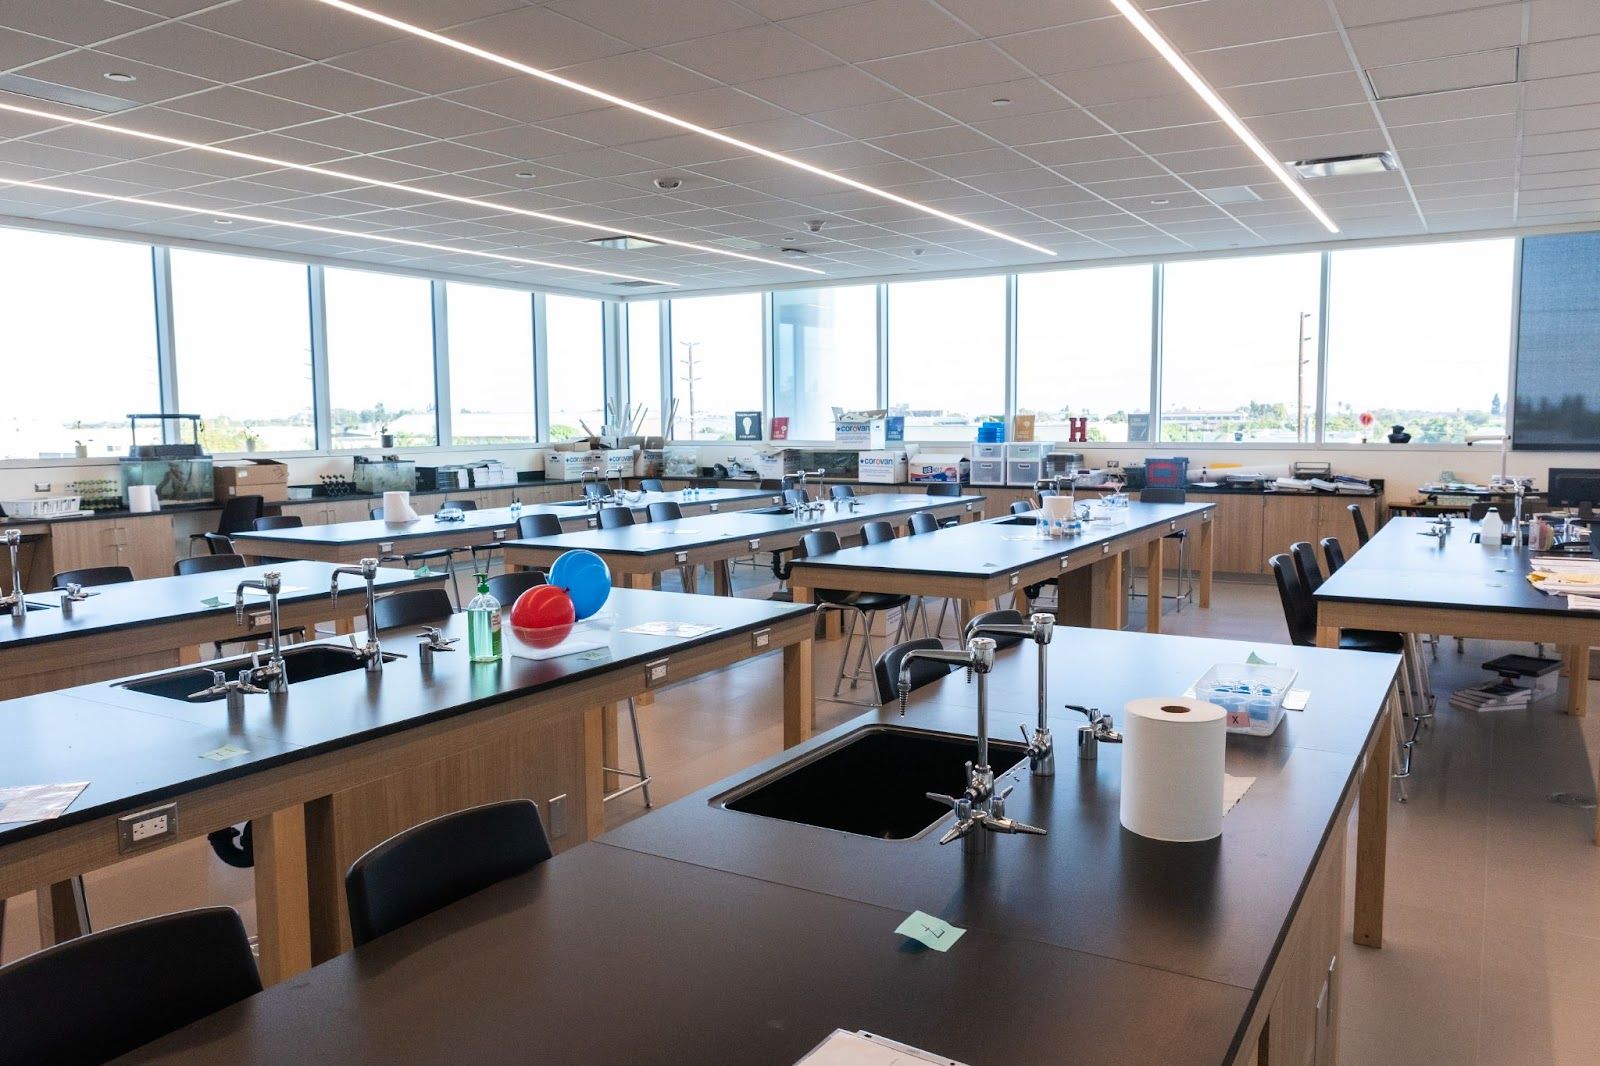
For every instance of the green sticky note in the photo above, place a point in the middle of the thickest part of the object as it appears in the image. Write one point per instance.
(224, 753)
(211, 601)
(422, 571)
(595, 656)
(935, 933)
(1256, 660)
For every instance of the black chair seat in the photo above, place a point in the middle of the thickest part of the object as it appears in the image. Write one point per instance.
(864, 601)
(1371, 640)
(431, 553)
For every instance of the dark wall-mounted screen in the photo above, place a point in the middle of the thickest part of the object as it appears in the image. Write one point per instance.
(1558, 344)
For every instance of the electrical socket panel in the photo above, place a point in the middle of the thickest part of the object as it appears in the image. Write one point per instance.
(135, 832)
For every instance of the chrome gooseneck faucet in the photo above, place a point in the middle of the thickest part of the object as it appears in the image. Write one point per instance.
(1039, 628)
(978, 807)
(276, 672)
(370, 653)
(19, 606)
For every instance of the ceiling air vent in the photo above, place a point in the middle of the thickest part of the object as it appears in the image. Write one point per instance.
(36, 89)
(624, 241)
(635, 284)
(1342, 166)
(1232, 194)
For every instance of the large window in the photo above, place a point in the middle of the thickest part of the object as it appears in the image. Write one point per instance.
(233, 314)
(491, 364)
(380, 359)
(574, 339)
(644, 364)
(716, 363)
(80, 343)
(947, 356)
(1239, 349)
(1419, 335)
(824, 355)
(1083, 351)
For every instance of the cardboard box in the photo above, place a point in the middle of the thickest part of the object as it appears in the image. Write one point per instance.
(569, 466)
(881, 468)
(266, 478)
(933, 467)
(862, 429)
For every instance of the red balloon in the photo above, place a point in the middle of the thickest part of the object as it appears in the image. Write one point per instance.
(543, 616)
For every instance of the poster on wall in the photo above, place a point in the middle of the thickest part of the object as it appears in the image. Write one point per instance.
(747, 425)
(780, 427)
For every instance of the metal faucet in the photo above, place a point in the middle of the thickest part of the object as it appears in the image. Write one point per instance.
(234, 691)
(430, 640)
(370, 653)
(1039, 628)
(978, 806)
(19, 606)
(1097, 730)
(276, 672)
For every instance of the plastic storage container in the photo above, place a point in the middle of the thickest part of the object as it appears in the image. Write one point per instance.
(1252, 695)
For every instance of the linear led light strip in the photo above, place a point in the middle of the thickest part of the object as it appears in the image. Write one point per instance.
(195, 209)
(362, 179)
(1176, 60)
(673, 120)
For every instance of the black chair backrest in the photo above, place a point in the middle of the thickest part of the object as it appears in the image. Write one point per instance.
(507, 587)
(219, 543)
(1047, 493)
(1362, 536)
(664, 511)
(94, 575)
(1152, 494)
(460, 505)
(878, 532)
(239, 514)
(820, 543)
(998, 618)
(1480, 510)
(205, 564)
(886, 671)
(1299, 609)
(593, 490)
(944, 488)
(795, 497)
(434, 864)
(1306, 567)
(416, 607)
(842, 492)
(539, 525)
(615, 517)
(1020, 506)
(652, 484)
(1333, 552)
(98, 996)
(921, 522)
(376, 514)
(279, 521)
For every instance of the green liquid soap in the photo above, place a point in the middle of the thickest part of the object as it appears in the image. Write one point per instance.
(483, 625)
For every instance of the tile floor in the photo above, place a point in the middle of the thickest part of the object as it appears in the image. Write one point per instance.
(1493, 919)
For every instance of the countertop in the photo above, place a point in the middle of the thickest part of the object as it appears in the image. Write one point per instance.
(135, 749)
(699, 935)
(166, 599)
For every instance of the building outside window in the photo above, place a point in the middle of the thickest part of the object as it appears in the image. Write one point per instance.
(824, 355)
(947, 356)
(575, 365)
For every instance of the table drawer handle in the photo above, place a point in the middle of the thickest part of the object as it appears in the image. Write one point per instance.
(655, 672)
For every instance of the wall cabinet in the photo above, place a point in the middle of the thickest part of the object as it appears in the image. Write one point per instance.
(143, 544)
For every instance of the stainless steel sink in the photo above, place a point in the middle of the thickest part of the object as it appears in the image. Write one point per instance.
(304, 664)
(871, 782)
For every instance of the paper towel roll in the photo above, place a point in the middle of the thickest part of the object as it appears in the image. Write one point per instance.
(1172, 768)
(142, 499)
(1058, 508)
(397, 507)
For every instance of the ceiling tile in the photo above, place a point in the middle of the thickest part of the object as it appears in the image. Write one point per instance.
(179, 46)
(1192, 27)
(650, 23)
(941, 69)
(883, 119)
(1279, 60)
(309, 30)
(1119, 82)
(327, 87)
(538, 37)
(1563, 92)
(436, 118)
(87, 70)
(1495, 66)
(749, 54)
(880, 28)
(80, 22)
(824, 89)
(1429, 38)
(1077, 46)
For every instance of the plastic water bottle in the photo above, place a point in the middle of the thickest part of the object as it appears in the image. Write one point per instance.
(1492, 531)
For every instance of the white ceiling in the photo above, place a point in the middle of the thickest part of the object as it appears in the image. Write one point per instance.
(1102, 151)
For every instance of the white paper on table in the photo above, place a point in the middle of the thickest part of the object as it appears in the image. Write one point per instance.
(565, 648)
(1233, 790)
(671, 629)
(258, 594)
(1583, 603)
(31, 803)
(867, 1049)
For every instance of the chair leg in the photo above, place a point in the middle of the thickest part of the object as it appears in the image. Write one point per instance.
(844, 653)
(455, 581)
(642, 778)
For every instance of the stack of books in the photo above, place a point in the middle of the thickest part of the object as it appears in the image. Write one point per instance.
(1499, 695)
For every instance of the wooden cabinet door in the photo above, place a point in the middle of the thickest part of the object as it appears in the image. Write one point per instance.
(76, 545)
(1336, 520)
(1236, 534)
(145, 546)
(1290, 519)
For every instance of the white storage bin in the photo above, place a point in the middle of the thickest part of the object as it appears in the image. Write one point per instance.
(44, 507)
(1251, 694)
(1024, 473)
(987, 472)
(988, 451)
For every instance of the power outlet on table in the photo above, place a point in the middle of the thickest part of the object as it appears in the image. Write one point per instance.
(136, 832)
(558, 815)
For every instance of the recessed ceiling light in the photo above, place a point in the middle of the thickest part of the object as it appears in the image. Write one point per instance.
(673, 120)
(411, 189)
(192, 209)
(1203, 90)
(223, 221)
(525, 174)
(1340, 166)
(1160, 203)
(117, 75)
(1001, 101)
(624, 241)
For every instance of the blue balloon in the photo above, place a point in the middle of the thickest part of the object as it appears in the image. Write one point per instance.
(586, 578)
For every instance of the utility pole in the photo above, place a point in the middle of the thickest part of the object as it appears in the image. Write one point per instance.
(1300, 378)
(689, 378)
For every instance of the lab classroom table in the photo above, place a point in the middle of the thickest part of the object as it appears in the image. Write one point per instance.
(976, 563)
(349, 542)
(339, 763)
(140, 626)
(1408, 581)
(639, 552)
(699, 934)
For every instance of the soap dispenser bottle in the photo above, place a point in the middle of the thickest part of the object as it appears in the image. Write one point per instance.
(483, 625)
(1492, 530)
